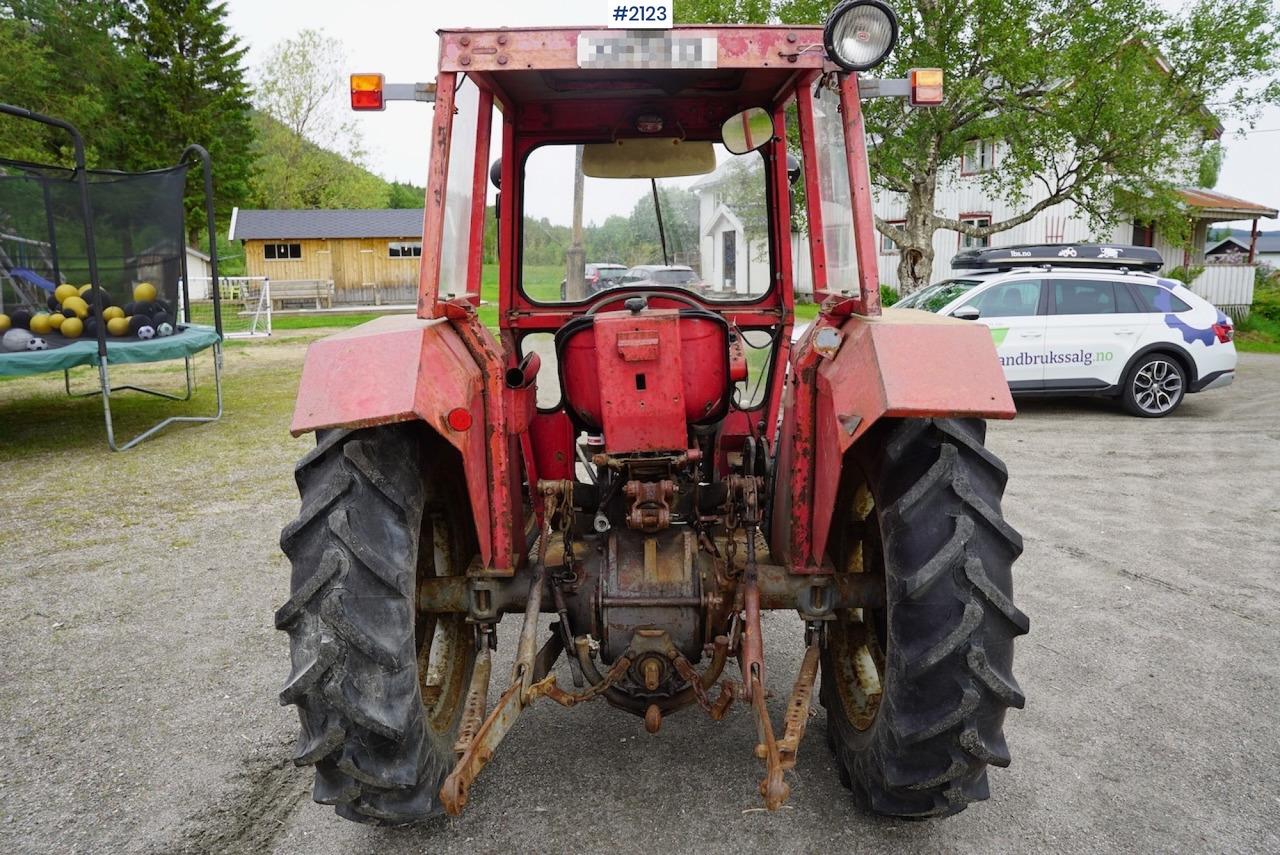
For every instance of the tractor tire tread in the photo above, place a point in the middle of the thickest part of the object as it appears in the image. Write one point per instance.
(947, 550)
(350, 621)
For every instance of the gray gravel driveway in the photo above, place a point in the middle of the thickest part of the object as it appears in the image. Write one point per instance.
(139, 671)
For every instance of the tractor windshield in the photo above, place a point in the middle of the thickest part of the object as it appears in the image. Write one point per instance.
(705, 233)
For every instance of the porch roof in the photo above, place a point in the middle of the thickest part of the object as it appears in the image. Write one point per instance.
(1215, 206)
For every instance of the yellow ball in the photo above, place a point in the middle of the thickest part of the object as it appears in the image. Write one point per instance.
(64, 291)
(56, 319)
(72, 327)
(118, 326)
(112, 312)
(77, 305)
(5, 323)
(144, 291)
(40, 323)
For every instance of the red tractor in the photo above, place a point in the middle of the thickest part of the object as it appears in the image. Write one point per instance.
(652, 465)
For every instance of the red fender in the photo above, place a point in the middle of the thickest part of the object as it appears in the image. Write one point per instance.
(394, 369)
(901, 364)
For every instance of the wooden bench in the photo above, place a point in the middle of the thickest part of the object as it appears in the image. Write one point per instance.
(316, 291)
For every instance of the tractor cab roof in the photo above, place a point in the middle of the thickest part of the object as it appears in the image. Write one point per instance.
(736, 65)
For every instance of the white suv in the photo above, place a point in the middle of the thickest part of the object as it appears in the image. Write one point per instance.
(1090, 319)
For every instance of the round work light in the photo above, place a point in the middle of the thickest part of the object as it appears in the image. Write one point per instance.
(859, 34)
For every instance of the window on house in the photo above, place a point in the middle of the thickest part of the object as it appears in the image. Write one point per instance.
(1144, 234)
(281, 251)
(887, 246)
(404, 249)
(981, 221)
(979, 156)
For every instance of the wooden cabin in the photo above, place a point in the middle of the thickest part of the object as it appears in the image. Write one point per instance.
(371, 257)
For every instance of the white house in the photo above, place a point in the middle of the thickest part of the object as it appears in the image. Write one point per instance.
(1237, 246)
(199, 274)
(960, 196)
(732, 261)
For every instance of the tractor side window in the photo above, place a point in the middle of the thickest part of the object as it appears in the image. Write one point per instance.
(454, 250)
(837, 205)
(544, 344)
(758, 346)
(704, 234)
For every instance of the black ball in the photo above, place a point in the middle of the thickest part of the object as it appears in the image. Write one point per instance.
(91, 326)
(165, 306)
(137, 322)
(21, 319)
(128, 307)
(102, 294)
(53, 304)
(69, 313)
(161, 318)
(144, 307)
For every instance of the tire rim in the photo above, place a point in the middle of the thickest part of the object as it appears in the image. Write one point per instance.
(857, 645)
(1157, 387)
(443, 640)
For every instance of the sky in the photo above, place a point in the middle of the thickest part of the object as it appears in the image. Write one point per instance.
(397, 38)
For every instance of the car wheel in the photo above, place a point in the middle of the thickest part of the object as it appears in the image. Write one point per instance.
(1154, 386)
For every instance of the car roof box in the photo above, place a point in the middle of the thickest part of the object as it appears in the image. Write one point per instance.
(1096, 255)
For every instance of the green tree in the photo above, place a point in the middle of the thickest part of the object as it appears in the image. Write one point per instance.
(1210, 166)
(308, 155)
(1097, 102)
(679, 225)
(193, 91)
(25, 74)
(402, 195)
(66, 58)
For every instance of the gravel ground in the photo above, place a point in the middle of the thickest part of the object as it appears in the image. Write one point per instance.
(138, 682)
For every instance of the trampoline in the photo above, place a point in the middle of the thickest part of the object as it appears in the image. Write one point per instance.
(112, 231)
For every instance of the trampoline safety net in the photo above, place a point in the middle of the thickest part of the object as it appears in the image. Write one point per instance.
(137, 232)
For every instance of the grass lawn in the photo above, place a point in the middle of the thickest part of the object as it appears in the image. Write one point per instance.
(1258, 335)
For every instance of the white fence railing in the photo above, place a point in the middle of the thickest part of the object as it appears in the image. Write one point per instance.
(1227, 286)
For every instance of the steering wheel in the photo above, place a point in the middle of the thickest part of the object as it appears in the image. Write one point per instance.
(645, 295)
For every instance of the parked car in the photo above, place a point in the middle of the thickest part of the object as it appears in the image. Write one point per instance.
(679, 275)
(1089, 319)
(599, 276)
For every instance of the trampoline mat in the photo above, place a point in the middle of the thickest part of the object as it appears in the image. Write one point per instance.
(64, 353)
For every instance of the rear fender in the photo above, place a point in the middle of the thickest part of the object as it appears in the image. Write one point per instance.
(394, 369)
(901, 364)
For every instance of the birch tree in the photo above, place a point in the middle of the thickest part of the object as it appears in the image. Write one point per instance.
(1104, 103)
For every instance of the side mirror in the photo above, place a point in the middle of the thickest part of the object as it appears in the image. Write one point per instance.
(966, 313)
(747, 131)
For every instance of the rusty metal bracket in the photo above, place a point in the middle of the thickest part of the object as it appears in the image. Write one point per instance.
(477, 700)
(773, 787)
(479, 751)
(798, 708)
(479, 747)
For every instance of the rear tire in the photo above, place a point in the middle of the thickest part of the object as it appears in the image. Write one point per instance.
(916, 692)
(1154, 386)
(377, 515)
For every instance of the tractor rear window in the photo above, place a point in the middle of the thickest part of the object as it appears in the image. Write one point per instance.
(706, 234)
